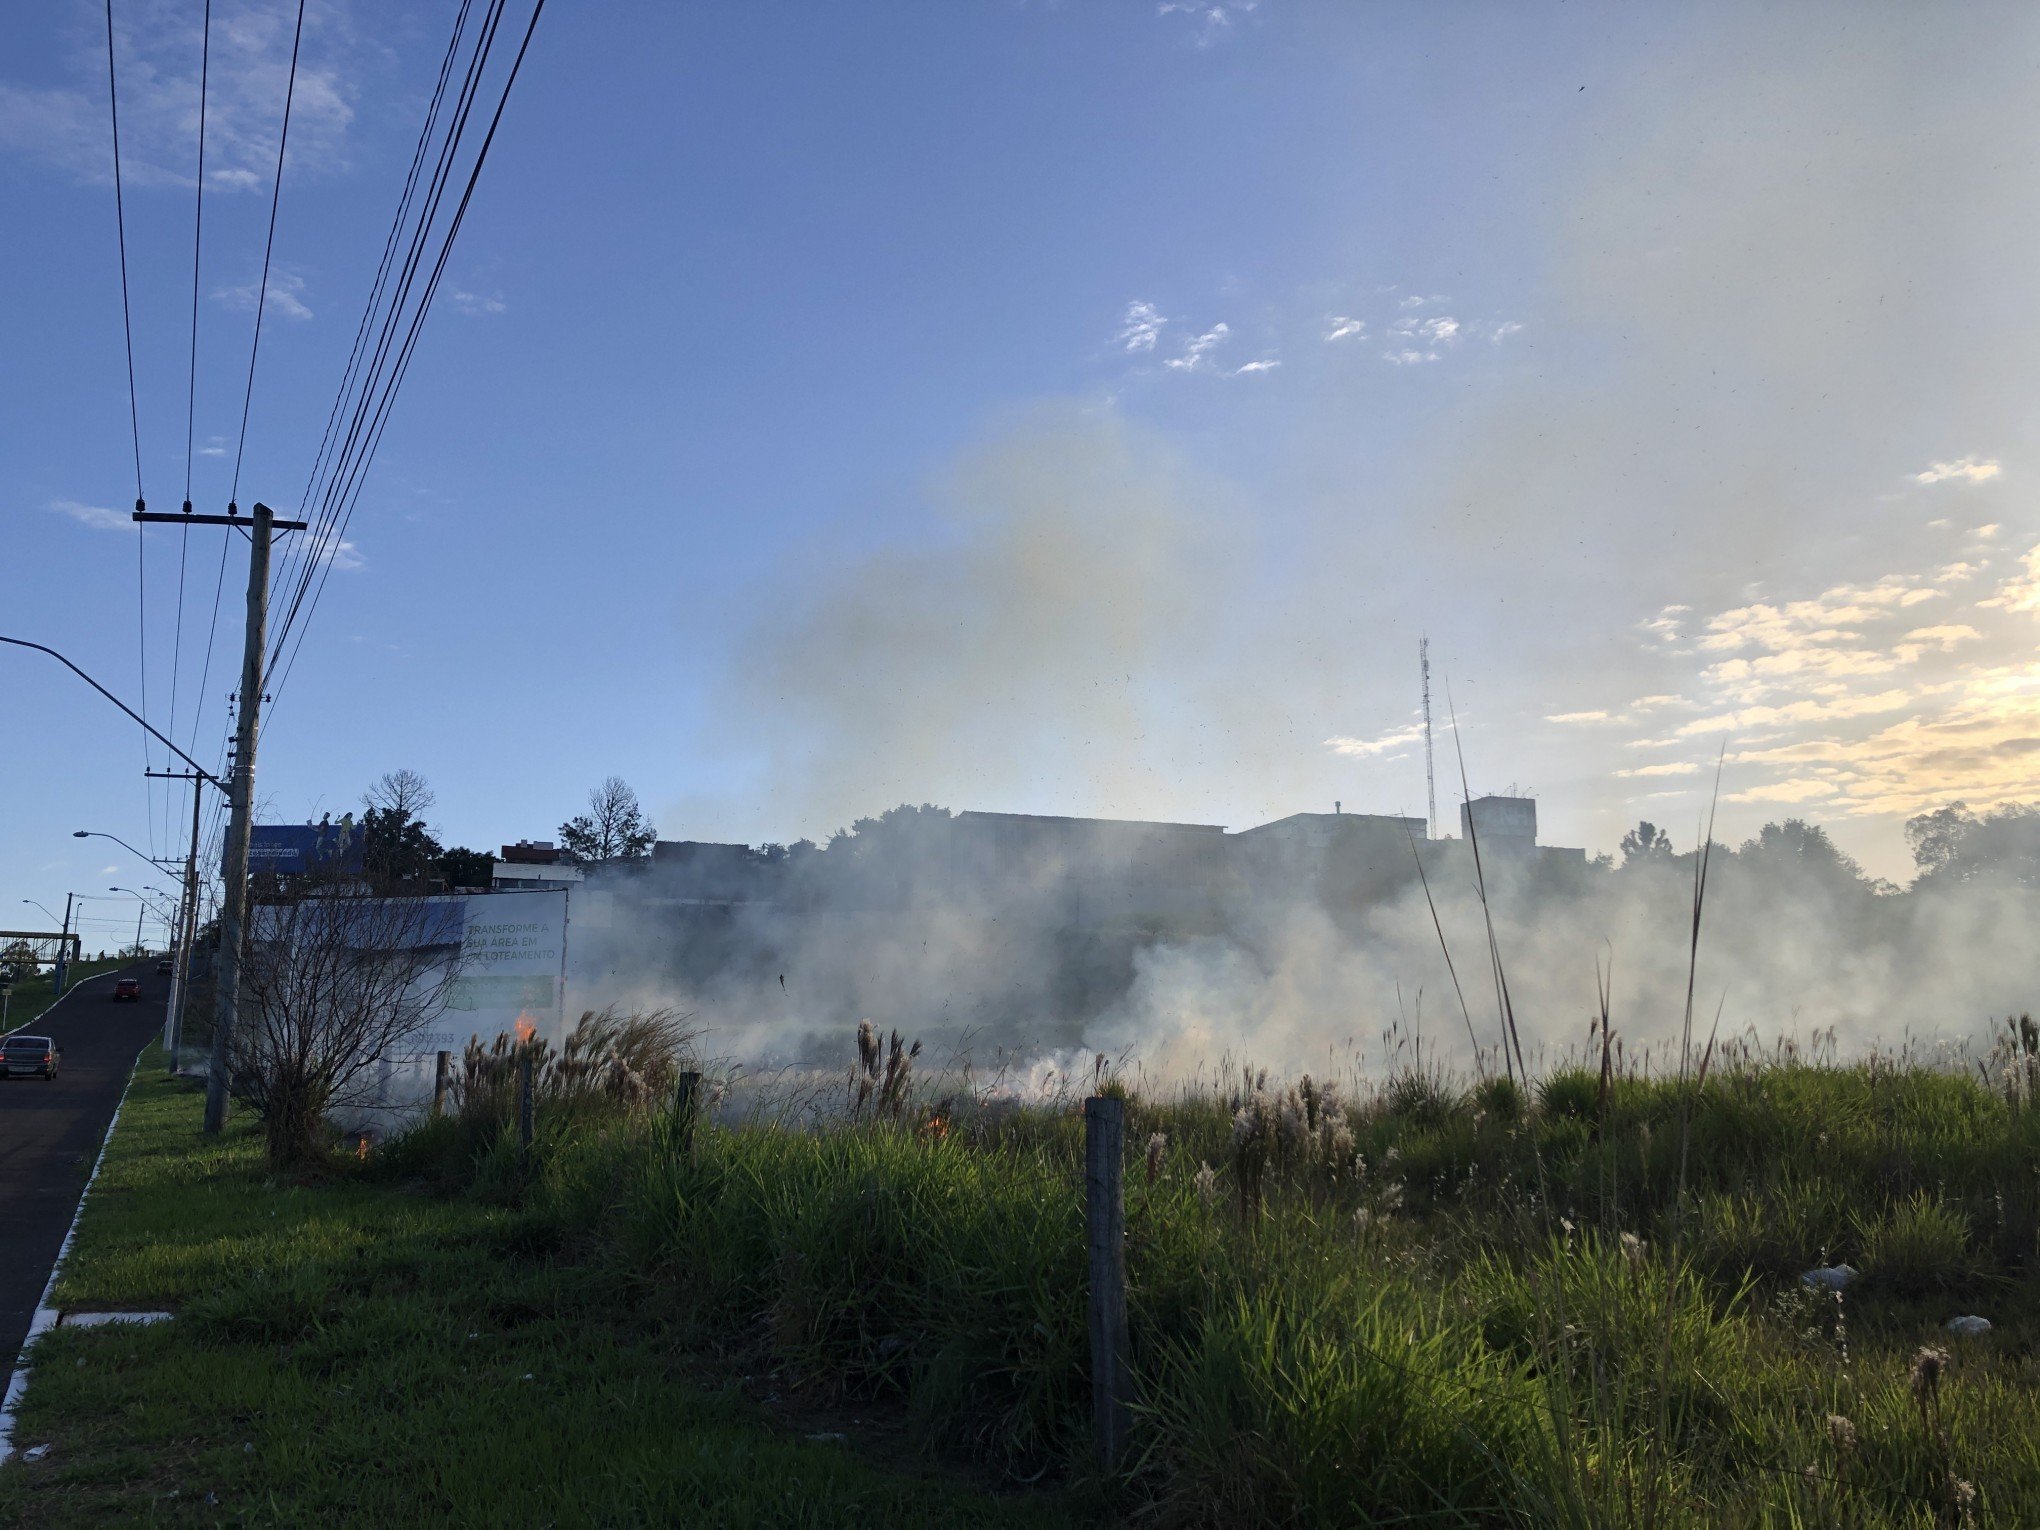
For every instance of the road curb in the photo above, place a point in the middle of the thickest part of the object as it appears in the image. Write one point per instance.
(46, 1316)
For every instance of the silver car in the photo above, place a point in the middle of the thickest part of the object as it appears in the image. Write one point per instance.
(28, 1054)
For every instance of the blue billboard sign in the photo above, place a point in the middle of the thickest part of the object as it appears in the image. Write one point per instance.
(294, 849)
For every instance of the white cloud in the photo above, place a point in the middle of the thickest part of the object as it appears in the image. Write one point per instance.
(477, 303)
(1500, 332)
(1800, 712)
(98, 517)
(1963, 469)
(1801, 789)
(215, 446)
(1578, 717)
(1213, 18)
(1408, 358)
(1343, 328)
(1140, 328)
(1197, 349)
(344, 556)
(1987, 533)
(1682, 768)
(2021, 592)
(1364, 748)
(1945, 637)
(1267, 364)
(1665, 625)
(284, 297)
(66, 127)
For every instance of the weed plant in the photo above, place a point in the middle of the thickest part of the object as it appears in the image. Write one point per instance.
(1567, 1300)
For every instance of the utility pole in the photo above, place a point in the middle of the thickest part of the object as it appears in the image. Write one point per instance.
(63, 947)
(1430, 771)
(185, 935)
(241, 794)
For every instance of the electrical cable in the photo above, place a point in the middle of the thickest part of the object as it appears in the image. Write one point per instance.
(268, 248)
(302, 548)
(320, 536)
(191, 382)
(134, 412)
(351, 492)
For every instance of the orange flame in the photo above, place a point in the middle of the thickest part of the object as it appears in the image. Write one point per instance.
(526, 1029)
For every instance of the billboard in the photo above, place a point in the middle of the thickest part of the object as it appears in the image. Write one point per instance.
(513, 956)
(510, 950)
(293, 849)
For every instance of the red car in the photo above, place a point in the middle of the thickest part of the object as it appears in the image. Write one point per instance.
(129, 989)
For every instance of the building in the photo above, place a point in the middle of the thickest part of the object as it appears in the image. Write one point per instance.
(1095, 869)
(1503, 823)
(1340, 857)
(534, 866)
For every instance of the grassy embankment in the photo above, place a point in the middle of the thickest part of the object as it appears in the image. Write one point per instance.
(349, 1350)
(1576, 1305)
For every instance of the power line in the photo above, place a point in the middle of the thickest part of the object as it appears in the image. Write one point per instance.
(357, 469)
(197, 236)
(120, 224)
(268, 248)
(134, 413)
(369, 309)
(191, 393)
(392, 314)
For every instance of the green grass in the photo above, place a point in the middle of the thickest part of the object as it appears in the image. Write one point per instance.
(1563, 1305)
(32, 996)
(351, 1351)
(1454, 1330)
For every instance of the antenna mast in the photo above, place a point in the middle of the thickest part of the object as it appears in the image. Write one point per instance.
(1430, 768)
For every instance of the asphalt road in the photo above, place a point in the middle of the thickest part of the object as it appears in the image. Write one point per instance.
(50, 1133)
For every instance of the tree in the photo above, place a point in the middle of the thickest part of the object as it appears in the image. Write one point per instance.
(335, 986)
(1953, 844)
(400, 791)
(465, 868)
(396, 849)
(613, 828)
(1645, 842)
(1795, 842)
(1936, 838)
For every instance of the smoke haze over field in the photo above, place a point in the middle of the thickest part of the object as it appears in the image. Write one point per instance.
(1055, 958)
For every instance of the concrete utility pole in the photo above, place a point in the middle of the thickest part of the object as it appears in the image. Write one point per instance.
(184, 934)
(63, 961)
(241, 794)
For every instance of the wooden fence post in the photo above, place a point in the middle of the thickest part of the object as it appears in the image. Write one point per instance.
(524, 1096)
(1105, 1234)
(441, 1074)
(686, 1101)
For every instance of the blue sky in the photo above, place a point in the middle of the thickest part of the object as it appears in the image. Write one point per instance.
(1066, 408)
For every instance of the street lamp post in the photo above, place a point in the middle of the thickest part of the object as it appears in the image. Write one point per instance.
(144, 907)
(181, 935)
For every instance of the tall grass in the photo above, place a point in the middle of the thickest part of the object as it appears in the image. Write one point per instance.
(1572, 1299)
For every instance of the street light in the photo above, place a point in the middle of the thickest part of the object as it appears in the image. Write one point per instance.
(159, 863)
(63, 941)
(144, 906)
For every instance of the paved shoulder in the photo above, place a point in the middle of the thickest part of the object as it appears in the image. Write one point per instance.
(50, 1132)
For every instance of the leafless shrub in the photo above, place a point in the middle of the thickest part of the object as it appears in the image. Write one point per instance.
(334, 987)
